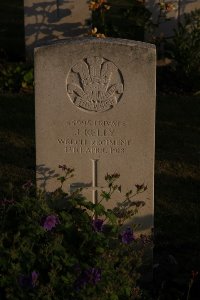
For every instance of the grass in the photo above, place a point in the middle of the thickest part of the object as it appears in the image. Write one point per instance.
(17, 146)
(177, 173)
(177, 183)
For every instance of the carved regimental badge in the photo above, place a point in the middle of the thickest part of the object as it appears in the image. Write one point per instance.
(95, 84)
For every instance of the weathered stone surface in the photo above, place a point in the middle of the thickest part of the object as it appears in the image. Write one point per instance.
(51, 20)
(95, 112)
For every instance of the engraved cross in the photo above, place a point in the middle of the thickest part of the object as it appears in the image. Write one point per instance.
(94, 186)
(94, 181)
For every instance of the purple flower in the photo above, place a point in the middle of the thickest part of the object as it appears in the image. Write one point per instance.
(97, 224)
(28, 281)
(50, 222)
(25, 281)
(34, 278)
(93, 275)
(127, 236)
(89, 276)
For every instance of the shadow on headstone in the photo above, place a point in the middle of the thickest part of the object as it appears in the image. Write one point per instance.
(44, 174)
(79, 185)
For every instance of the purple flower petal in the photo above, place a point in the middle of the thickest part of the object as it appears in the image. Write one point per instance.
(97, 224)
(89, 276)
(28, 281)
(34, 277)
(50, 222)
(127, 236)
(25, 281)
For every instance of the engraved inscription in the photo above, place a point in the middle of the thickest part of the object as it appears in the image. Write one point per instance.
(95, 84)
(95, 137)
(95, 146)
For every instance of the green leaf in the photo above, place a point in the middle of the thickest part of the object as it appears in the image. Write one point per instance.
(114, 297)
(127, 291)
(61, 179)
(99, 209)
(105, 195)
(111, 216)
(28, 77)
(100, 250)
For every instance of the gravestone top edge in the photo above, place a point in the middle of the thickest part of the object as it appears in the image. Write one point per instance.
(92, 40)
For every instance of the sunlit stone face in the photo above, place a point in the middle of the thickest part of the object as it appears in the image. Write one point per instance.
(95, 112)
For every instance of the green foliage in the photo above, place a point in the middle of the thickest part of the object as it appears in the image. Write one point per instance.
(127, 19)
(62, 246)
(15, 77)
(185, 50)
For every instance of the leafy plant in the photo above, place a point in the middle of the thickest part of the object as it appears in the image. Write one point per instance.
(124, 19)
(184, 48)
(62, 246)
(15, 77)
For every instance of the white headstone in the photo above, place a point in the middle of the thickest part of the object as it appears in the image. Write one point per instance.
(95, 112)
